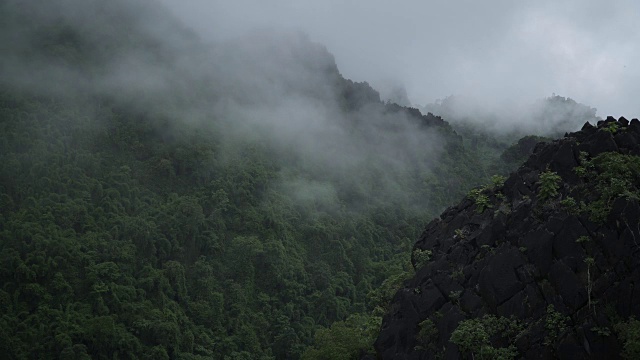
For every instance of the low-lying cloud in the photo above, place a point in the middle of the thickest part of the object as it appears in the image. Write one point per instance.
(272, 88)
(493, 50)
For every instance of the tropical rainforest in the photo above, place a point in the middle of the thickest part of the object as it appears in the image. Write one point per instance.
(162, 197)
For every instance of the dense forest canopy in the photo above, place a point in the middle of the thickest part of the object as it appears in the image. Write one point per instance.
(166, 198)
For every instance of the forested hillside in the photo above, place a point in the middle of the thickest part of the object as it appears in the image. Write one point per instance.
(166, 198)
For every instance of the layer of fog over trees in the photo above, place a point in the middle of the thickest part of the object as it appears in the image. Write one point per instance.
(545, 117)
(278, 88)
(265, 86)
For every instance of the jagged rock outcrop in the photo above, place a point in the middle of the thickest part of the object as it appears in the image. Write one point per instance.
(551, 254)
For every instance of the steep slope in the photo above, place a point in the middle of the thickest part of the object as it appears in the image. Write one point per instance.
(541, 266)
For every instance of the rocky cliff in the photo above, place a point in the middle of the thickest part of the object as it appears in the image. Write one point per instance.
(540, 265)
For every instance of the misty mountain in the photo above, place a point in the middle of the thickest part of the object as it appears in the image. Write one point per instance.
(164, 197)
(549, 117)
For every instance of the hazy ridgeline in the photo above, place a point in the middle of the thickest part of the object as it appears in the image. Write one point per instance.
(276, 89)
(166, 197)
(551, 117)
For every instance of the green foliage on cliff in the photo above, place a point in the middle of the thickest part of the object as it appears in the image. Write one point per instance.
(483, 337)
(629, 333)
(549, 185)
(611, 175)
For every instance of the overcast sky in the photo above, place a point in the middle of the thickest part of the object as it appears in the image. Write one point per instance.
(495, 50)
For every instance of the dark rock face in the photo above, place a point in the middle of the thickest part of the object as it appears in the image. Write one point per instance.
(534, 258)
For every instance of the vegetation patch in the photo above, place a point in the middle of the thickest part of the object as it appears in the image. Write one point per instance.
(549, 185)
(480, 199)
(611, 175)
(489, 337)
(421, 257)
(555, 325)
(428, 333)
(629, 334)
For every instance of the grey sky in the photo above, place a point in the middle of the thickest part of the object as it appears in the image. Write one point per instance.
(495, 50)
